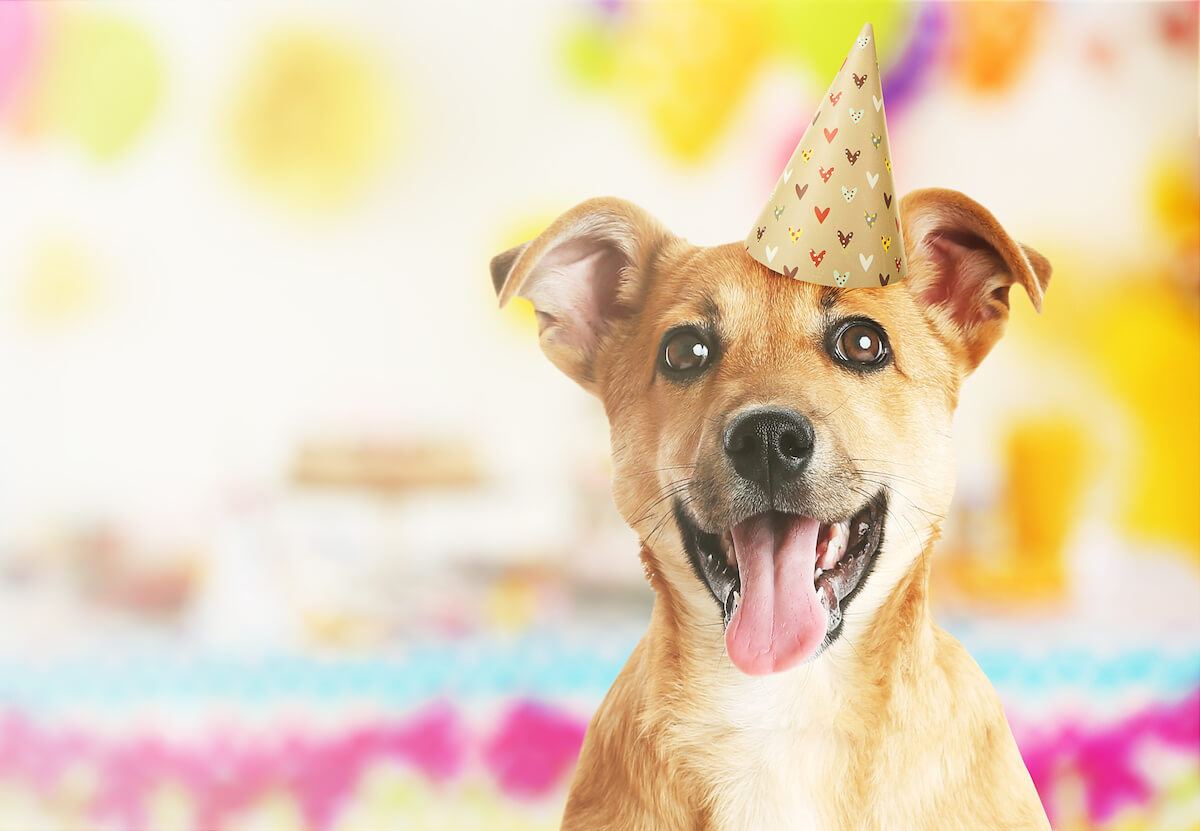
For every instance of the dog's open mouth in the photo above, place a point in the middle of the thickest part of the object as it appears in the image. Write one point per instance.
(783, 581)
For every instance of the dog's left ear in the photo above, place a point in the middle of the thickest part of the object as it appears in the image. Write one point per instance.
(582, 274)
(961, 265)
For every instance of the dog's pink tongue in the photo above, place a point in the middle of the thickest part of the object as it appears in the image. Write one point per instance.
(779, 622)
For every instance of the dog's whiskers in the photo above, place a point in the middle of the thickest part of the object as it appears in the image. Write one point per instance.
(663, 470)
(824, 416)
(672, 490)
(669, 487)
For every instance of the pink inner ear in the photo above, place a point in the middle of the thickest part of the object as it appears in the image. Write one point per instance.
(972, 280)
(577, 289)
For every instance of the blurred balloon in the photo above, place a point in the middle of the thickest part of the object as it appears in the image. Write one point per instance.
(686, 67)
(103, 81)
(995, 41)
(312, 119)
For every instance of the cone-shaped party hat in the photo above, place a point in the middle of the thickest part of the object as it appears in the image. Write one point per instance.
(832, 218)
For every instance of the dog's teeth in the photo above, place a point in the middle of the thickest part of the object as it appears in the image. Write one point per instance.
(835, 546)
(737, 598)
(863, 528)
(818, 574)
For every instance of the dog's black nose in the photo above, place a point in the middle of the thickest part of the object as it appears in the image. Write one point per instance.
(769, 446)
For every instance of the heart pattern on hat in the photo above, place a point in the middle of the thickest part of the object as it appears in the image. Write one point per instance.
(841, 244)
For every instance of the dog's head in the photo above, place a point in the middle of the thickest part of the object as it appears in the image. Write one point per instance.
(775, 443)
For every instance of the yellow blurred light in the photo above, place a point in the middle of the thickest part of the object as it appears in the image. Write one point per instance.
(61, 286)
(1145, 345)
(312, 120)
(1139, 338)
(685, 66)
(1175, 197)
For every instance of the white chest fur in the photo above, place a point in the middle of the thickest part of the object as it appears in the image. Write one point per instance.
(777, 756)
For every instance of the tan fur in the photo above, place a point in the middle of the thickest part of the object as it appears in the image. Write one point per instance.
(894, 726)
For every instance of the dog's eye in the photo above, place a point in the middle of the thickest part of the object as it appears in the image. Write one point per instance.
(861, 345)
(685, 351)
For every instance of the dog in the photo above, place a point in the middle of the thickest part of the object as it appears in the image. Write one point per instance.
(783, 451)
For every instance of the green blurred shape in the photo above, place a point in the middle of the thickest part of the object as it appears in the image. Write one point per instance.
(103, 83)
(587, 53)
(818, 33)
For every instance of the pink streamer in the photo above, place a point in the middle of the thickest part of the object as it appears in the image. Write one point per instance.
(529, 755)
(1105, 759)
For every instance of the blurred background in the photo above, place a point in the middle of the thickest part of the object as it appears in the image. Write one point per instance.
(298, 531)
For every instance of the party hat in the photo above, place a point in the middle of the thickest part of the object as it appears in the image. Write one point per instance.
(832, 218)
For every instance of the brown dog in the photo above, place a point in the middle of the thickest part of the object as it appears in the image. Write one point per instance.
(783, 451)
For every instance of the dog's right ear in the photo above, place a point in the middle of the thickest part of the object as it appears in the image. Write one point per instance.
(582, 274)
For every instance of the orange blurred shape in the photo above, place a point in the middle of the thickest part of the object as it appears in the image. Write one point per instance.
(1047, 467)
(994, 42)
(1047, 472)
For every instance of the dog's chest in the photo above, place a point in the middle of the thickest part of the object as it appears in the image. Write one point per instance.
(774, 780)
(773, 767)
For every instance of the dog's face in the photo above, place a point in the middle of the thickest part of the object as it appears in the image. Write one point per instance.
(783, 449)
